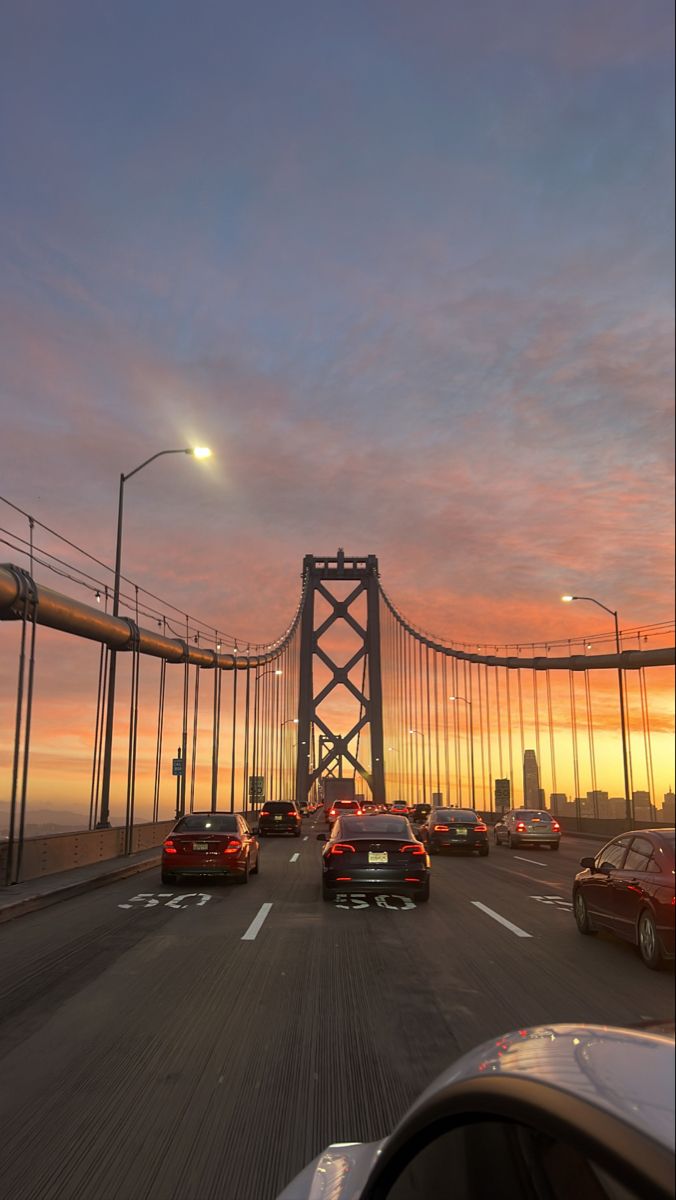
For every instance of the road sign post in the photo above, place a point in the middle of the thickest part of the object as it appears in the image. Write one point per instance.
(177, 770)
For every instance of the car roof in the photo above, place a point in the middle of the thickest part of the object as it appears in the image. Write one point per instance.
(377, 823)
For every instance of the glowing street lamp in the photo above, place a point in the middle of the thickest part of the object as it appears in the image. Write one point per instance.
(104, 817)
(623, 725)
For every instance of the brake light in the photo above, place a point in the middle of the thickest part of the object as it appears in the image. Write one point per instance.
(440, 828)
(415, 848)
(169, 847)
(233, 846)
(556, 827)
(265, 813)
(480, 827)
(342, 848)
(520, 828)
(332, 812)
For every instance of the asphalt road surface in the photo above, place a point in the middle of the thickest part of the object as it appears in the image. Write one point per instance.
(204, 1042)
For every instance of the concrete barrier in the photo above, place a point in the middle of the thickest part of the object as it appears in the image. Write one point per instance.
(62, 851)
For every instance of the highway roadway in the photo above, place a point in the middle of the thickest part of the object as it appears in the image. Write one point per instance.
(204, 1042)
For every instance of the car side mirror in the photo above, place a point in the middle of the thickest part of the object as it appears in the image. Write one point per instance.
(587, 862)
(321, 837)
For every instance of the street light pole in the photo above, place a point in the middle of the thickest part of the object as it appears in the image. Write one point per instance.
(471, 742)
(422, 735)
(623, 723)
(104, 816)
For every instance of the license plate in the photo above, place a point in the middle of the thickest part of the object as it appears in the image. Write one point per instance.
(377, 857)
(460, 832)
(278, 818)
(200, 845)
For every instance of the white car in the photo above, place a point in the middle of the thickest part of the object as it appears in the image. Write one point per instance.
(566, 1112)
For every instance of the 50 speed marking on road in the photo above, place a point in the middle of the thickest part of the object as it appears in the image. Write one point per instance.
(151, 899)
(358, 900)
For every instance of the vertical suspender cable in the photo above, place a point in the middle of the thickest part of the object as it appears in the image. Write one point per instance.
(552, 739)
(216, 736)
(489, 734)
(158, 741)
(100, 700)
(496, 675)
(33, 595)
(509, 731)
(444, 686)
(522, 734)
(193, 763)
(573, 729)
(436, 718)
(184, 733)
(247, 696)
(590, 734)
(234, 737)
(429, 716)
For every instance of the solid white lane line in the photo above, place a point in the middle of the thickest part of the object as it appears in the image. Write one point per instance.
(255, 925)
(294, 858)
(531, 860)
(503, 920)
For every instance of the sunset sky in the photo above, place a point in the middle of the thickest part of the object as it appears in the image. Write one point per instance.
(407, 268)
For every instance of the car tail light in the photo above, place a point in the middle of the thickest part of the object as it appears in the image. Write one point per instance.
(234, 845)
(415, 848)
(332, 813)
(342, 848)
(169, 847)
(521, 828)
(556, 827)
(480, 827)
(264, 813)
(440, 828)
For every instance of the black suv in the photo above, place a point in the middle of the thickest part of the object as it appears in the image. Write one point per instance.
(279, 816)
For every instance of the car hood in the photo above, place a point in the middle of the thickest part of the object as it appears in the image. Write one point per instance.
(626, 1072)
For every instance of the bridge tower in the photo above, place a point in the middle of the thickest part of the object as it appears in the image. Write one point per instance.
(320, 574)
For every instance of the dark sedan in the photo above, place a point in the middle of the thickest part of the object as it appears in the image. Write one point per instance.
(279, 816)
(455, 829)
(628, 889)
(210, 843)
(374, 854)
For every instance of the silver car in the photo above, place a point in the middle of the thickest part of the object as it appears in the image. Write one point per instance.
(568, 1111)
(528, 827)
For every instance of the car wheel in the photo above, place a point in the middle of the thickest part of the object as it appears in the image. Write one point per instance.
(297, 833)
(327, 894)
(581, 914)
(423, 895)
(510, 841)
(432, 849)
(167, 877)
(483, 853)
(244, 878)
(648, 941)
(254, 870)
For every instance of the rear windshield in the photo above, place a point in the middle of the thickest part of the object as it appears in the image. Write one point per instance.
(391, 826)
(207, 823)
(280, 806)
(527, 814)
(351, 804)
(455, 816)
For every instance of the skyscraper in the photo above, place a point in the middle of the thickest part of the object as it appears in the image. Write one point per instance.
(531, 780)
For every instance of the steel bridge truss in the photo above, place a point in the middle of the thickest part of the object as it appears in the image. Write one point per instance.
(319, 574)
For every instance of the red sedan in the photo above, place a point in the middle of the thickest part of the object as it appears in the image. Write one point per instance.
(628, 889)
(210, 843)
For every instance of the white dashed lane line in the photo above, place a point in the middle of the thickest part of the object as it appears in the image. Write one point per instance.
(255, 925)
(534, 861)
(502, 920)
(294, 858)
(305, 838)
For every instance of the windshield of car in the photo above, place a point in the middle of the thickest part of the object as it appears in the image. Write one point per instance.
(454, 816)
(391, 826)
(207, 823)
